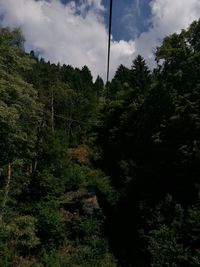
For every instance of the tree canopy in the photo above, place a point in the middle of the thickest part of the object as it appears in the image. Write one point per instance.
(94, 175)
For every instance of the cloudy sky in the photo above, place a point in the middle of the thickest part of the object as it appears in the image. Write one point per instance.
(75, 32)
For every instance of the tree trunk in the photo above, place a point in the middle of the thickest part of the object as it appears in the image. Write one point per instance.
(52, 110)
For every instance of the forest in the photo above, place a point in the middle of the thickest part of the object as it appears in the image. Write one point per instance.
(100, 175)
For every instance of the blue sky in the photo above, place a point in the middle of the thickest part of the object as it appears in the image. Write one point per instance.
(76, 32)
(130, 17)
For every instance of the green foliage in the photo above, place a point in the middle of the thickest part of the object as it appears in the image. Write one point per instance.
(51, 226)
(164, 248)
(140, 75)
(17, 237)
(148, 143)
(174, 239)
(18, 100)
(39, 121)
(85, 170)
(51, 259)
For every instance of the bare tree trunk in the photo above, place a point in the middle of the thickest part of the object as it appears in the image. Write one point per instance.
(30, 168)
(52, 110)
(7, 188)
(69, 124)
(37, 146)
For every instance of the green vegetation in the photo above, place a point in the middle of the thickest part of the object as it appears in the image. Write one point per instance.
(100, 176)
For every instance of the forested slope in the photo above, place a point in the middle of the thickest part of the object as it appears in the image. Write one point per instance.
(95, 175)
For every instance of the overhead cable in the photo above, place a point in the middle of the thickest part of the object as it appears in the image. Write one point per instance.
(109, 39)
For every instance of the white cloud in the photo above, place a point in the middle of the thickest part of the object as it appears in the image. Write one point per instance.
(76, 33)
(130, 17)
(72, 34)
(167, 17)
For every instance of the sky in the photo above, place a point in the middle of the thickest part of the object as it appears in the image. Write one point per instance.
(76, 32)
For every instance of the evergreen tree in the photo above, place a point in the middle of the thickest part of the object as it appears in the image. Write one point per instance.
(140, 75)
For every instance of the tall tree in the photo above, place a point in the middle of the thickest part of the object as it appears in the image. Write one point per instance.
(140, 75)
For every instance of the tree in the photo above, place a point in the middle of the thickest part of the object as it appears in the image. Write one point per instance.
(149, 143)
(173, 236)
(140, 75)
(19, 106)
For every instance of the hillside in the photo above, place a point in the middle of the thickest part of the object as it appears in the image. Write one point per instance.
(96, 175)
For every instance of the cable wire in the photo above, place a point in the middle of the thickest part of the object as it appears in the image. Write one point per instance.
(109, 39)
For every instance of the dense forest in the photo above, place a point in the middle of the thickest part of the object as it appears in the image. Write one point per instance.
(96, 175)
